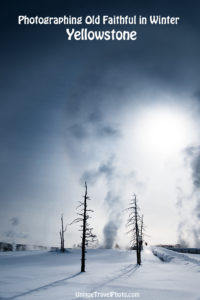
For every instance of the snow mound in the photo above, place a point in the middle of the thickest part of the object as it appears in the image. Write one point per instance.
(167, 255)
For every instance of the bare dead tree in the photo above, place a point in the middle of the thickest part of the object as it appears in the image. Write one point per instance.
(62, 238)
(135, 223)
(87, 236)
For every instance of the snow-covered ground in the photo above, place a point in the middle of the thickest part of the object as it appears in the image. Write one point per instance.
(44, 275)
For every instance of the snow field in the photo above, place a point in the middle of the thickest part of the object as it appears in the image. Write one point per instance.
(47, 275)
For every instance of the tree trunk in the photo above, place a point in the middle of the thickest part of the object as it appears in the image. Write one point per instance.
(84, 231)
(137, 234)
(62, 241)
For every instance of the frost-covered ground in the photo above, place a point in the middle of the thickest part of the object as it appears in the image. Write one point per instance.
(46, 275)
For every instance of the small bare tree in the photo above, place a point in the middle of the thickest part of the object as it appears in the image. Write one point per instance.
(135, 222)
(62, 238)
(87, 236)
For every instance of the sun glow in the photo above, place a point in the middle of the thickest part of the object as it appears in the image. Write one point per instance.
(163, 131)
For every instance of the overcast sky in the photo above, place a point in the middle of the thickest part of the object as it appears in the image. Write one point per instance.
(122, 115)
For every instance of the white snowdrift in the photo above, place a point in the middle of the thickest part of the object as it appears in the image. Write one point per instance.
(167, 255)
